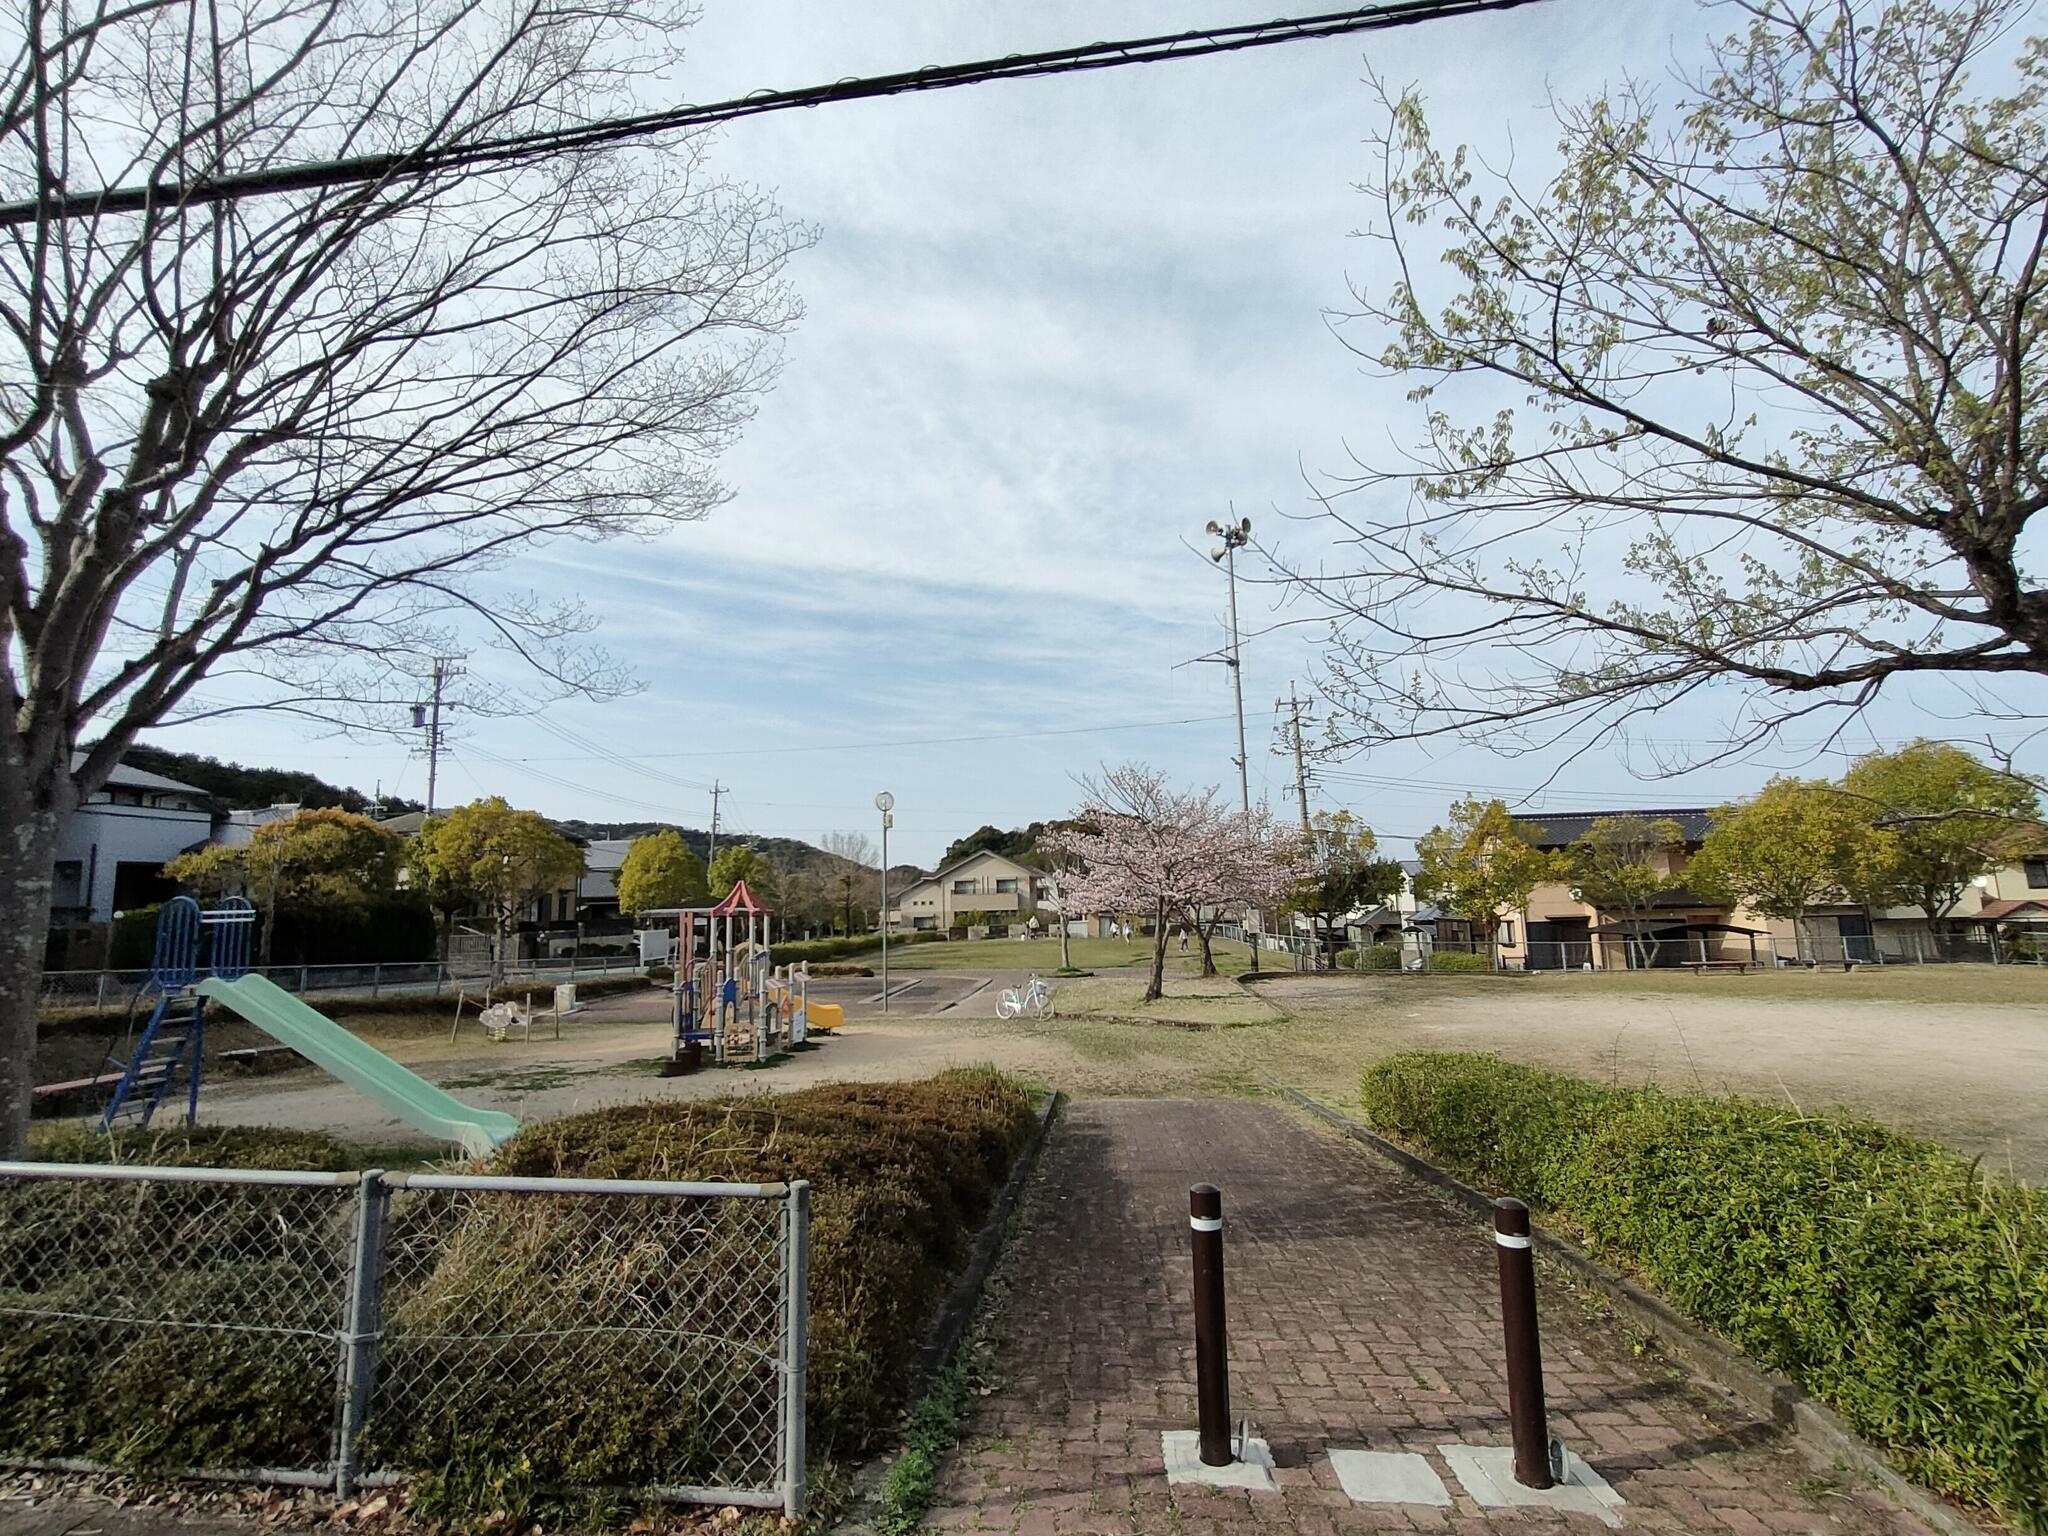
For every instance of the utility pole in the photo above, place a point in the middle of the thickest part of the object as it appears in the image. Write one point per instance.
(1300, 762)
(885, 803)
(717, 789)
(428, 716)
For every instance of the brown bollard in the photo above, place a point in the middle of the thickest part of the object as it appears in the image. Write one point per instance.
(1212, 1361)
(1524, 1350)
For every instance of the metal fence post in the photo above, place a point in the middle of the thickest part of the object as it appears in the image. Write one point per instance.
(362, 1325)
(796, 1333)
(102, 1003)
(376, 978)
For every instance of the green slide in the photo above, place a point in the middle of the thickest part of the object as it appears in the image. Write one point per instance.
(369, 1071)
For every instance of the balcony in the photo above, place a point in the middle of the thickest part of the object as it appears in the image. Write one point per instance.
(984, 901)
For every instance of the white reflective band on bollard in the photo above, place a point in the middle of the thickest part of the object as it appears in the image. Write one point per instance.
(1206, 1223)
(1510, 1240)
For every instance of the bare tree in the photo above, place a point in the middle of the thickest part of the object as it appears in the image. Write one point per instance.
(1749, 392)
(278, 443)
(857, 881)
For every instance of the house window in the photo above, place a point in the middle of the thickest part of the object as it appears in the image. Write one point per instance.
(1506, 934)
(2037, 873)
(68, 887)
(963, 887)
(1006, 887)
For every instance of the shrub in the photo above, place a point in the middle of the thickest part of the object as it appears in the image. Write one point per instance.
(1458, 960)
(1380, 957)
(902, 1174)
(215, 1394)
(1347, 959)
(1886, 1275)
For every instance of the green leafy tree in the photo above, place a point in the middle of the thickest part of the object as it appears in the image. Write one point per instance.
(488, 858)
(1953, 817)
(1483, 864)
(660, 871)
(1800, 844)
(737, 862)
(1622, 864)
(330, 862)
(1346, 874)
(1777, 336)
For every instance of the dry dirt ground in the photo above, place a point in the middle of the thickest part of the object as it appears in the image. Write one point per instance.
(1953, 1054)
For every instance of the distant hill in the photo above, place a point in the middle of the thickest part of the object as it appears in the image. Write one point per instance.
(238, 788)
(1020, 843)
(785, 853)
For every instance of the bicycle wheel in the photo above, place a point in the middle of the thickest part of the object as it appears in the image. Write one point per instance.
(1042, 1005)
(1007, 1005)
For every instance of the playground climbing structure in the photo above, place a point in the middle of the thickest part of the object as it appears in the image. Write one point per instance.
(162, 1065)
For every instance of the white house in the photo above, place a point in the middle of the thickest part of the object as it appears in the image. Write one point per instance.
(113, 851)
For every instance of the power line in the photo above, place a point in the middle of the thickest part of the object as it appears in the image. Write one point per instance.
(913, 741)
(426, 160)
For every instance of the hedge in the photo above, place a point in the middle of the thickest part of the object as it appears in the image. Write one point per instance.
(1458, 960)
(902, 1175)
(796, 950)
(1889, 1277)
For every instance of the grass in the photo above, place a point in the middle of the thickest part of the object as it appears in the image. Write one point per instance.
(1043, 955)
(1951, 984)
(1215, 1002)
(932, 1430)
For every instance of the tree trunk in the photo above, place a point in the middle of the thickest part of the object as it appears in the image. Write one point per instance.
(1066, 954)
(1156, 987)
(1202, 931)
(28, 856)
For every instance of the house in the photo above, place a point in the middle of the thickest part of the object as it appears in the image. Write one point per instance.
(114, 848)
(992, 890)
(1558, 929)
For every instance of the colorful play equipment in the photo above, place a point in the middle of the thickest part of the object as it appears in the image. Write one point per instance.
(169, 1049)
(727, 994)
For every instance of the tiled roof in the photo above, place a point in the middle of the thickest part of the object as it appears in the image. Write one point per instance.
(1558, 830)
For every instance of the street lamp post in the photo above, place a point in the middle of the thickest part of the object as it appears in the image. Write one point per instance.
(885, 803)
(1235, 536)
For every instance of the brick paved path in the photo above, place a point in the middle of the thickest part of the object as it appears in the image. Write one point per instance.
(1363, 1313)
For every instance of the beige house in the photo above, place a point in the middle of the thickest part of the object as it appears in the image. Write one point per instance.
(985, 887)
(2002, 916)
(1560, 930)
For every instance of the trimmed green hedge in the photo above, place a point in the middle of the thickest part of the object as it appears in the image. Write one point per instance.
(1883, 1273)
(857, 944)
(1458, 960)
(1380, 957)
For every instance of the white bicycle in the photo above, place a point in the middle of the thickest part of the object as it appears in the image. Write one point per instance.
(1034, 998)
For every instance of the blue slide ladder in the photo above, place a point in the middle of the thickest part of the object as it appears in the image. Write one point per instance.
(168, 1053)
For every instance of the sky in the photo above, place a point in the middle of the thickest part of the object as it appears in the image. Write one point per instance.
(1052, 329)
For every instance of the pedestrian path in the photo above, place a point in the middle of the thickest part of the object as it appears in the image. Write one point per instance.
(1363, 1317)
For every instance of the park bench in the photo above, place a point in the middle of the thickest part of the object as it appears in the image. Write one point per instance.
(1701, 967)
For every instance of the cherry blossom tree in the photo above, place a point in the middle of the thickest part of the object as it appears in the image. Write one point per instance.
(1254, 863)
(1137, 845)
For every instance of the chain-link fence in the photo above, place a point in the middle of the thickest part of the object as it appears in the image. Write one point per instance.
(341, 1329)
